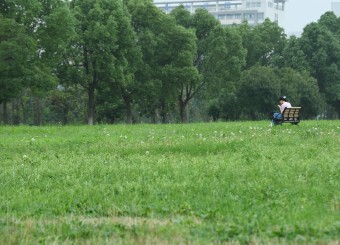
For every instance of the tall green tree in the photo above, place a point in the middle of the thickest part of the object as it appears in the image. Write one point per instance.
(261, 86)
(203, 23)
(48, 24)
(147, 22)
(180, 76)
(168, 51)
(293, 56)
(53, 30)
(129, 58)
(101, 52)
(92, 53)
(258, 91)
(220, 55)
(21, 11)
(225, 61)
(320, 43)
(302, 90)
(16, 51)
(263, 42)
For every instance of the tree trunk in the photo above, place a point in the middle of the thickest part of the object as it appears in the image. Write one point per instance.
(5, 113)
(16, 111)
(253, 115)
(128, 109)
(91, 88)
(25, 112)
(163, 113)
(337, 109)
(37, 112)
(182, 107)
(91, 104)
(155, 116)
(65, 117)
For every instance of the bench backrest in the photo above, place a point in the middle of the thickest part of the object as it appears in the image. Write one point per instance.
(291, 114)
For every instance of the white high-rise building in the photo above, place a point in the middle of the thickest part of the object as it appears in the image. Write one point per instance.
(336, 8)
(232, 11)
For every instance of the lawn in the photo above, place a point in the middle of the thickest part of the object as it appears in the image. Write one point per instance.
(212, 183)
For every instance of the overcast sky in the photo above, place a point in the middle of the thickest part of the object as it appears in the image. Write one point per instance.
(299, 13)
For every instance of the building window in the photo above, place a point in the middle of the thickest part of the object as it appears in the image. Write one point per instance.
(227, 5)
(238, 16)
(253, 5)
(249, 16)
(221, 17)
(230, 16)
(260, 16)
(270, 4)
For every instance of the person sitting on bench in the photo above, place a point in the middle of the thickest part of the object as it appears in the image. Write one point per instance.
(283, 103)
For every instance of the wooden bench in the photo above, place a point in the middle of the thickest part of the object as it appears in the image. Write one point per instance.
(290, 115)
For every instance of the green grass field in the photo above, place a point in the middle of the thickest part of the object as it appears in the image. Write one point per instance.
(213, 183)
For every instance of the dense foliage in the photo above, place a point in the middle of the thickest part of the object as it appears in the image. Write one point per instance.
(106, 61)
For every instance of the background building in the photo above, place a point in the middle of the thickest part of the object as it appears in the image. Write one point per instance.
(232, 11)
(336, 8)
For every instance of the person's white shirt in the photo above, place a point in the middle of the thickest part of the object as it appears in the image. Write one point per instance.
(284, 105)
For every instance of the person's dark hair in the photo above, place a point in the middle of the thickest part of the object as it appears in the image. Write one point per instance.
(284, 98)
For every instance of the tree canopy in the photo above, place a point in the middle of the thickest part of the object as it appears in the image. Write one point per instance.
(105, 61)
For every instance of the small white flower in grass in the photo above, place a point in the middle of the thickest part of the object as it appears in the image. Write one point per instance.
(33, 140)
(182, 136)
(147, 153)
(24, 157)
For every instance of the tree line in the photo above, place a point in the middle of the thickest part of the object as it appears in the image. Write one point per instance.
(112, 61)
